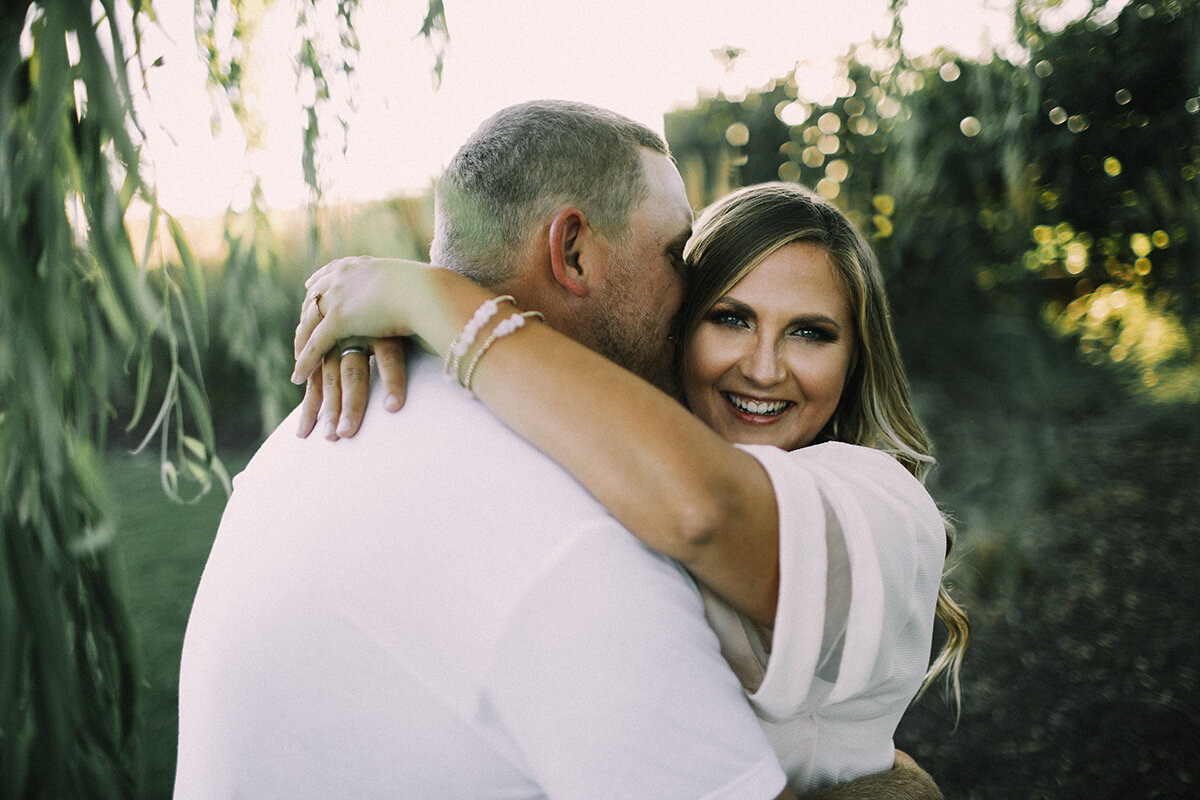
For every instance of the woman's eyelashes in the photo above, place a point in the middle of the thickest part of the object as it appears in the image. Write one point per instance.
(728, 318)
(812, 331)
(815, 332)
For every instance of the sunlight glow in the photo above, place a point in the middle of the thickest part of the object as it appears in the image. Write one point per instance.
(640, 59)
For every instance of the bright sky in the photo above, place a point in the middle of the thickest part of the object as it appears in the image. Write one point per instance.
(638, 57)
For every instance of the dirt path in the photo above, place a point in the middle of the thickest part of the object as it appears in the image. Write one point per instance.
(1084, 684)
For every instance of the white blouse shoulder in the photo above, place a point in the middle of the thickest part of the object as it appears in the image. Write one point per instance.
(861, 551)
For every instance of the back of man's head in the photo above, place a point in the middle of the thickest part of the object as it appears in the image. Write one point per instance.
(522, 166)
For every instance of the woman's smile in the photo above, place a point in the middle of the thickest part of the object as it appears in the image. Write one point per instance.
(757, 412)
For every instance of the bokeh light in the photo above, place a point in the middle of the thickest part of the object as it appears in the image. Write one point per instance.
(829, 123)
(737, 134)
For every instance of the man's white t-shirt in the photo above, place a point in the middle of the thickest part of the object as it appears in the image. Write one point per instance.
(861, 548)
(433, 609)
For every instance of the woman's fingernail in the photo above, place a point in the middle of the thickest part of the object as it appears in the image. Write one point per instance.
(392, 403)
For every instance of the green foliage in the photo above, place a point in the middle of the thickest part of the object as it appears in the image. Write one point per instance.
(163, 547)
(1117, 180)
(92, 330)
(74, 304)
(255, 310)
(437, 32)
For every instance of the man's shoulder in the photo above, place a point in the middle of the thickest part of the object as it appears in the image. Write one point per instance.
(439, 420)
(443, 458)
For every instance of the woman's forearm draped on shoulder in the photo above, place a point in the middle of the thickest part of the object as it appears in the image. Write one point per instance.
(672, 481)
(665, 475)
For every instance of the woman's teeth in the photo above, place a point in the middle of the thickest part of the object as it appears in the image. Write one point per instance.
(761, 408)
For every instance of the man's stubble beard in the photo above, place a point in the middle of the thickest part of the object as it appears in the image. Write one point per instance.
(634, 335)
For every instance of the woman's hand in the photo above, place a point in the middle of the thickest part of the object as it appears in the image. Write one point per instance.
(351, 296)
(361, 297)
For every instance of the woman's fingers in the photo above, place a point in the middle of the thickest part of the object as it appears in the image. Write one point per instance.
(389, 359)
(314, 309)
(318, 342)
(322, 272)
(310, 318)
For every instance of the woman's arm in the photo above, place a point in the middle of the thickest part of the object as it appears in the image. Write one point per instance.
(672, 481)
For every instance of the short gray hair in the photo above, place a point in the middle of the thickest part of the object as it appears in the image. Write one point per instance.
(522, 166)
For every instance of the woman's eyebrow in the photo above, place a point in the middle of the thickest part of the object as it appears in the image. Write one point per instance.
(735, 304)
(811, 318)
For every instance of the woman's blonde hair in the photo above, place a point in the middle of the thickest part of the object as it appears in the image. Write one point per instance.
(731, 238)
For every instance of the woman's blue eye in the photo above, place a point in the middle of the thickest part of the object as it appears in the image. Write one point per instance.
(728, 319)
(814, 334)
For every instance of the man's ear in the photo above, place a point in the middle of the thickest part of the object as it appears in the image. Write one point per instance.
(568, 230)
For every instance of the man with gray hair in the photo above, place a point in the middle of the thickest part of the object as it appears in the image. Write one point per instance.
(434, 609)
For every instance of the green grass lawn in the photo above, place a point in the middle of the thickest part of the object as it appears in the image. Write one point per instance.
(163, 546)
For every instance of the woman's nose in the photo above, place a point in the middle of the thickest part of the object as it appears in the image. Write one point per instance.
(762, 364)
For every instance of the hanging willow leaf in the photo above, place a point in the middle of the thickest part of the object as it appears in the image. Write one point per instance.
(194, 278)
(145, 368)
(435, 31)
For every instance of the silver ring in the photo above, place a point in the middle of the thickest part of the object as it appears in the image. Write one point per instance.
(355, 348)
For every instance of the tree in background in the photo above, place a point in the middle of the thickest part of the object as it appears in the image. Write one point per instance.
(76, 308)
(86, 315)
(1116, 171)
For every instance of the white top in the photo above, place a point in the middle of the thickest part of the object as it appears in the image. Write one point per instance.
(861, 552)
(433, 609)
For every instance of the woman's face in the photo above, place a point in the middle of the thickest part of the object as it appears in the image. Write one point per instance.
(767, 363)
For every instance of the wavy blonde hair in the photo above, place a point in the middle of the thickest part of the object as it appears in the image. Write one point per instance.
(731, 238)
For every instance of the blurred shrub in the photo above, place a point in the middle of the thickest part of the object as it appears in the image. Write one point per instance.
(257, 263)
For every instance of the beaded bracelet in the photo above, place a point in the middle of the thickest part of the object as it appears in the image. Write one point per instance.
(462, 342)
(506, 327)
